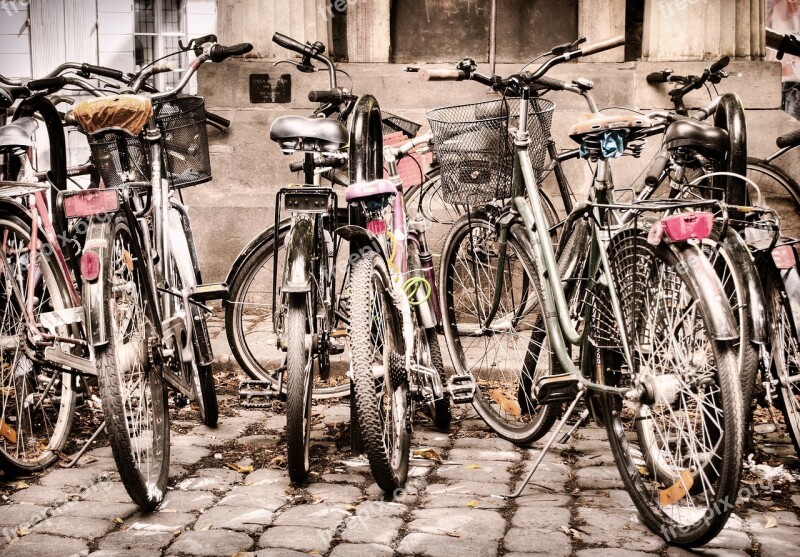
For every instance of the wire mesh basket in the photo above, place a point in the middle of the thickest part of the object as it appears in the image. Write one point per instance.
(121, 158)
(394, 124)
(476, 151)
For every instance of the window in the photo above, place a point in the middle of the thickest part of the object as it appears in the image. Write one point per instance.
(159, 25)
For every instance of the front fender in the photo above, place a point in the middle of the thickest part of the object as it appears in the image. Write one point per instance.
(705, 284)
(94, 293)
(752, 292)
(266, 236)
(299, 255)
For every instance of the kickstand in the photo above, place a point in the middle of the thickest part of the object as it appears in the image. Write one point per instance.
(85, 447)
(549, 444)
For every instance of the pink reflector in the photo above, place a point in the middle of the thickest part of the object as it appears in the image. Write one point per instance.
(377, 226)
(90, 265)
(90, 202)
(784, 257)
(688, 226)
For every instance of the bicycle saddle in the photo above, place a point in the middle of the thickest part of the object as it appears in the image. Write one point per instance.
(126, 113)
(603, 123)
(18, 133)
(297, 133)
(711, 140)
(362, 190)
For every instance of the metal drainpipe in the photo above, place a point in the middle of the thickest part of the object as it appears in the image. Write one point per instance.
(492, 37)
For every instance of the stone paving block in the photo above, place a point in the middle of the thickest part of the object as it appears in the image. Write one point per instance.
(91, 509)
(100, 464)
(482, 489)
(268, 440)
(361, 529)
(487, 443)
(43, 495)
(267, 476)
(431, 545)
(776, 542)
(146, 540)
(757, 522)
(465, 523)
(73, 477)
(187, 501)
(361, 550)
(125, 553)
(245, 519)
(602, 552)
(299, 538)
(467, 456)
(536, 498)
(193, 440)
(325, 516)
(210, 479)
(476, 471)
(226, 430)
(704, 552)
(210, 543)
(545, 517)
(437, 439)
(159, 521)
(595, 459)
(377, 509)
(334, 493)
(523, 540)
(280, 552)
(599, 477)
(356, 479)
(617, 529)
(277, 421)
(607, 498)
(188, 455)
(730, 539)
(45, 545)
(106, 492)
(71, 527)
(22, 513)
(446, 500)
(269, 497)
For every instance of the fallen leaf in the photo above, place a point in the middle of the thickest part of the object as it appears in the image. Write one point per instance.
(206, 527)
(22, 485)
(118, 520)
(472, 504)
(771, 522)
(350, 508)
(239, 468)
(21, 531)
(507, 405)
(677, 490)
(428, 454)
(566, 530)
(473, 466)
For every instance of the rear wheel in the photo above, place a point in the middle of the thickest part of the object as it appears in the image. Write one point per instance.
(134, 395)
(679, 448)
(299, 385)
(379, 374)
(37, 405)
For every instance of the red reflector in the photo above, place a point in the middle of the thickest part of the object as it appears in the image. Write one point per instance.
(784, 257)
(688, 226)
(90, 202)
(377, 226)
(90, 265)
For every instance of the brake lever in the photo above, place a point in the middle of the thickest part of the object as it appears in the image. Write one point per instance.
(305, 68)
(568, 47)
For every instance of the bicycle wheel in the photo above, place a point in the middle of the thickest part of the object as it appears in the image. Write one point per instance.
(785, 353)
(38, 404)
(249, 322)
(378, 367)
(299, 385)
(779, 192)
(133, 392)
(679, 449)
(507, 356)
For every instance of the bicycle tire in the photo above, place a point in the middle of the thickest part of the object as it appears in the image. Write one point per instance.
(668, 288)
(456, 296)
(21, 452)
(299, 385)
(144, 478)
(381, 401)
(779, 191)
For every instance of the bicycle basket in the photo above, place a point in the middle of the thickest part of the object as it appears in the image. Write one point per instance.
(119, 157)
(475, 150)
(182, 122)
(394, 124)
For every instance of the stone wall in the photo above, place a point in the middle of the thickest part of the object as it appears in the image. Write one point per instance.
(249, 168)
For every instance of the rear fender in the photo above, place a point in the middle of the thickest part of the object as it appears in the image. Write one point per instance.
(94, 293)
(299, 256)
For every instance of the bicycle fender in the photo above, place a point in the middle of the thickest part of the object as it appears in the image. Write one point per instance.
(360, 239)
(705, 283)
(299, 255)
(94, 293)
(791, 285)
(13, 207)
(754, 301)
(255, 244)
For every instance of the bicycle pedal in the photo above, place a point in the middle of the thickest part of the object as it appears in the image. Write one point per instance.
(461, 389)
(335, 347)
(556, 388)
(208, 292)
(338, 333)
(257, 394)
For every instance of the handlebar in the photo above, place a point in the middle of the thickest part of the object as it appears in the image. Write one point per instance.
(790, 139)
(331, 96)
(784, 44)
(47, 83)
(308, 51)
(102, 71)
(601, 46)
(221, 53)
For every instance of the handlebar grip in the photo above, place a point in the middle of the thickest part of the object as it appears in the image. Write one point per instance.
(220, 53)
(601, 46)
(288, 43)
(331, 96)
(789, 140)
(545, 82)
(217, 119)
(656, 170)
(442, 75)
(163, 67)
(656, 77)
(47, 83)
(103, 71)
(719, 64)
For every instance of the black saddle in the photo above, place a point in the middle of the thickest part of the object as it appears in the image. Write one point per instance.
(18, 133)
(296, 133)
(710, 140)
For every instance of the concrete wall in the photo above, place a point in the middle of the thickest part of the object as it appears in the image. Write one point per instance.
(248, 167)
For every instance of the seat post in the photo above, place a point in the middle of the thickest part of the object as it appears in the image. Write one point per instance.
(308, 168)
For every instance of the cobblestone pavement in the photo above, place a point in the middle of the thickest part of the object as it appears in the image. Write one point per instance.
(216, 507)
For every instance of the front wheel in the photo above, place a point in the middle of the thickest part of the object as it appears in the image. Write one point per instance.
(298, 388)
(133, 392)
(379, 374)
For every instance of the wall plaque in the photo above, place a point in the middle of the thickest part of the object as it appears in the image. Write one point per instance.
(266, 88)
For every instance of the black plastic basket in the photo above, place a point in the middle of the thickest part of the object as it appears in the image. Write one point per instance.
(394, 124)
(121, 158)
(475, 150)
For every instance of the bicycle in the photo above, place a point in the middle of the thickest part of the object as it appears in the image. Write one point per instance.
(630, 288)
(144, 306)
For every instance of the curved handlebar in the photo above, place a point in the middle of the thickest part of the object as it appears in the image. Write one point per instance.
(47, 83)
(601, 46)
(790, 139)
(220, 53)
